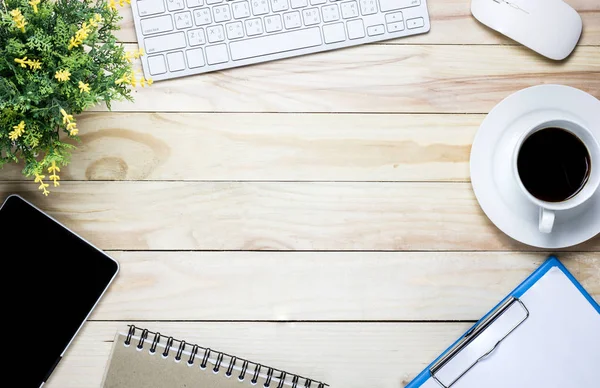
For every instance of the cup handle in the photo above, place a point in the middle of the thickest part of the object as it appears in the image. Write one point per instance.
(546, 220)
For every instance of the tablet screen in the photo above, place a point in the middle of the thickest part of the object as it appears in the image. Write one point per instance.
(52, 281)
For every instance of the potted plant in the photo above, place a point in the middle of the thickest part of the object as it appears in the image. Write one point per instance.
(57, 59)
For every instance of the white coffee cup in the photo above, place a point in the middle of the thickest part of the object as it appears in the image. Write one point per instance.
(547, 210)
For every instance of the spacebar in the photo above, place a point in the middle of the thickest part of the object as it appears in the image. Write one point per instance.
(277, 43)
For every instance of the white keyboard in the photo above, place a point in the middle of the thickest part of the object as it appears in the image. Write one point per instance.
(185, 37)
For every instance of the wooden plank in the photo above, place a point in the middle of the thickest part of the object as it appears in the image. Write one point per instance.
(274, 215)
(385, 355)
(451, 23)
(266, 147)
(404, 79)
(323, 286)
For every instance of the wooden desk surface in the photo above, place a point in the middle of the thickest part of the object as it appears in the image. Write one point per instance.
(314, 213)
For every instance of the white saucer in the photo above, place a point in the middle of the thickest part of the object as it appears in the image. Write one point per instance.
(491, 165)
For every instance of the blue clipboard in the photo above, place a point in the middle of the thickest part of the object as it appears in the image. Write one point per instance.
(551, 262)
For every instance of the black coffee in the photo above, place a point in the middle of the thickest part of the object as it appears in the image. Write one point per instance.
(553, 164)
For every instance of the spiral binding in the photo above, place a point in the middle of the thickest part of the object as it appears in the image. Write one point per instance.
(247, 369)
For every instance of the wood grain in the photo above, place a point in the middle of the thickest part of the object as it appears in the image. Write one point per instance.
(243, 160)
(270, 147)
(385, 355)
(323, 286)
(451, 23)
(274, 216)
(409, 79)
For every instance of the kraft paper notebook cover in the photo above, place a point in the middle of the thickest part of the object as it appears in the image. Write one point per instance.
(141, 358)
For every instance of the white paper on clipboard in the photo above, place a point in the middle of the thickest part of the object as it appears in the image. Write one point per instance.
(557, 346)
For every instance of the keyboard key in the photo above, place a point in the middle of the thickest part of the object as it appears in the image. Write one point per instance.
(415, 23)
(183, 20)
(273, 23)
(196, 37)
(164, 42)
(254, 27)
(276, 43)
(260, 7)
(375, 30)
(175, 33)
(330, 13)
(175, 5)
(194, 3)
(311, 16)
(356, 29)
(279, 5)
(176, 61)
(157, 65)
(299, 3)
(202, 16)
(394, 17)
(334, 33)
(234, 30)
(150, 7)
(241, 9)
(395, 27)
(217, 54)
(215, 34)
(195, 58)
(157, 25)
(292, 20)
(368, 7)
(222, 13)
(349, 9)
(390, 5)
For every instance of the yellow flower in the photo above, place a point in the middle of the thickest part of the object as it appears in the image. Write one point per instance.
(123, 80)
(144, 81)
(17, 131)
(18, 19)
(34, 4)
(70, 121)
(63, 75)
(66, 117)
(84, 87)
(132, 80)
(73, 43)
(112, 4)
(39, 179)
(95, 20)
(33, 64)
(53, 169)
(138, 53)
(22, 62)
(72, 128)
(128, 56)
(84, 32)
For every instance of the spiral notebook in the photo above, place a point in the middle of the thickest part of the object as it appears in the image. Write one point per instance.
(142, 358)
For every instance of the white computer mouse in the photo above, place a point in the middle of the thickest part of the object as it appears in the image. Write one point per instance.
(550, 27)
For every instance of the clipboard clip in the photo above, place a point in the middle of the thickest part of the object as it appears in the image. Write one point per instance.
(471, 335)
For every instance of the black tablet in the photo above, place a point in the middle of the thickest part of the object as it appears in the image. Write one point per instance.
(52, 280)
